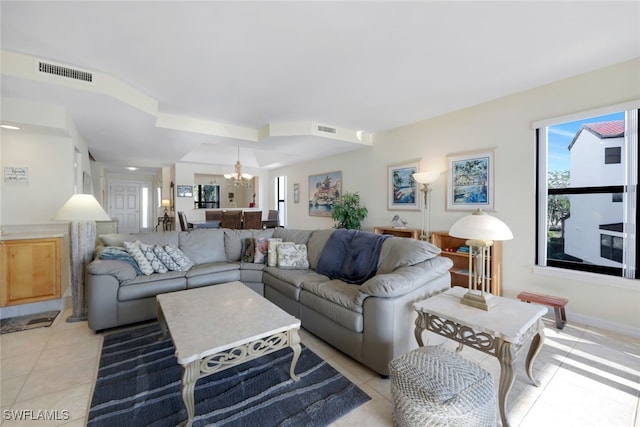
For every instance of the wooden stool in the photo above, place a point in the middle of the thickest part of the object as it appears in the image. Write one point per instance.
(556, 302)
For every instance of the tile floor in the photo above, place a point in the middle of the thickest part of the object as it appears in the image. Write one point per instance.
(589, 377)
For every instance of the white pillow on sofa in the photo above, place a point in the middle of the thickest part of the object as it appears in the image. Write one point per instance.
(292, 256)
(134, 250)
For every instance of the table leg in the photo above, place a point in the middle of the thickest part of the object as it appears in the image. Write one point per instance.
(190, 374)
(421, 326)
(506, 356)
(163, 324)
(534, 349)
(294, 343)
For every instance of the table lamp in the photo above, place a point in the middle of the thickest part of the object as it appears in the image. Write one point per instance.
(166, 204)
(426, 178)
(481, 230)
(82, 210)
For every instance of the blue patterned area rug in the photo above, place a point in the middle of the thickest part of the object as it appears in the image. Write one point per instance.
(139, 385)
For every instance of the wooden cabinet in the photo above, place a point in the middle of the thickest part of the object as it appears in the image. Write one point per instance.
(460, 269)
(412, 233)
(31, 270)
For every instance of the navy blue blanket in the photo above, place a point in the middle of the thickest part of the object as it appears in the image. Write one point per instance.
(351, 255)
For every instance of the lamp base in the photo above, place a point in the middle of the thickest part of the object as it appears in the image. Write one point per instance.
(482, 301)
(76, 318)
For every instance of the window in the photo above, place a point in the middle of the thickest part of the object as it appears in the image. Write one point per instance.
(281, 194)
(612, 155)
(587, 198)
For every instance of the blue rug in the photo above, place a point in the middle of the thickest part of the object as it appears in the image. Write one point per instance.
(139, 385)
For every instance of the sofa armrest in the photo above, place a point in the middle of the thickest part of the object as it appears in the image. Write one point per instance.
(121, 270)
(406, 279)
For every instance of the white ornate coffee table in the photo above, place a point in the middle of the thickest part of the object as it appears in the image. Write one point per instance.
(501, 332)
(216, 327)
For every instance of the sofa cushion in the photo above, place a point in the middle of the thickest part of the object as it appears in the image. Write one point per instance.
(295, 278)
(338, 292)
(292, 256)
(203, 245)
(143, 263)
(150, 286)
(183, 261)
(211, 268)
(399, 252)
(160, 238)
(272, 251)
(156, 264)
(315, 245)
(233, 241)
(165, 258)
(339, 314)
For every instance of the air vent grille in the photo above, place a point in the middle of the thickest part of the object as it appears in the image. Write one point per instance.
(326, 129)
(59, 70)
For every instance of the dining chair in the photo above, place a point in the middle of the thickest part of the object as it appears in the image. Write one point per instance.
(231, 219)
(252, 220)
(213, 215)
(184, 224)
(273, 219)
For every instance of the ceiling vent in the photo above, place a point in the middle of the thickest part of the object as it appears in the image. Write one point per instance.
(62, 71)
(326, 129)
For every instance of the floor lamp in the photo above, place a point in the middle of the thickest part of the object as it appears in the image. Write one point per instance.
(426, 178)
(82, 210)
(481, 230)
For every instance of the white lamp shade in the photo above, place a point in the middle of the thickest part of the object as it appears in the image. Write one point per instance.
(480, 226)
(81, 207)
(425, 177)
(166, 203)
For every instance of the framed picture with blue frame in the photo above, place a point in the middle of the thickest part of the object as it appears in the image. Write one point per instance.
(470, 181)
(403, 190)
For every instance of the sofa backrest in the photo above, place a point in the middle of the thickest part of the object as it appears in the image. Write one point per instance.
(159, 238)
(203, 245)
(316, 244)
(401, 251)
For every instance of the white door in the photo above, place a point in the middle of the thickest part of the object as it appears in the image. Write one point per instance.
(124, 205)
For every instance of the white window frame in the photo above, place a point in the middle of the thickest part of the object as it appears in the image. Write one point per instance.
(631, 147)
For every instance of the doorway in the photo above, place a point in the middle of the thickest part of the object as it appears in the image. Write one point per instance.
(124, 205)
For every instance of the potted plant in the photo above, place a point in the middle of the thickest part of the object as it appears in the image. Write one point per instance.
(347, 211)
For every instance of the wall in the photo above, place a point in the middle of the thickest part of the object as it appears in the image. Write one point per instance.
(504, 124)
(46, 143)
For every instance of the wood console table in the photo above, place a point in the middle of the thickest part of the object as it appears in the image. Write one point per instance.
(501, 332)
(413, 233)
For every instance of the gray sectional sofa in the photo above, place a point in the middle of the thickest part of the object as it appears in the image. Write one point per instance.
(371, 322)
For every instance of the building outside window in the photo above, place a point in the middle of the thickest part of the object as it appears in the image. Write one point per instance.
(587, 198)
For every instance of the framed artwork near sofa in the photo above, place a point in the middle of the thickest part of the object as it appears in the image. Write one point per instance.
(470, 182)
(324, 190)
(402, 189)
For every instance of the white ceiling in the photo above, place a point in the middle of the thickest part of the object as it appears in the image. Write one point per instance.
(228, 69)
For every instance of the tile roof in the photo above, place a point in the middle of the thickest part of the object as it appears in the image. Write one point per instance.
(612, 129)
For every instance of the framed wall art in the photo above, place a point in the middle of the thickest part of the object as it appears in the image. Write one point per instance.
(185, 191)
(402, 190)
(470, 182)
(324, 190)
(296, 193)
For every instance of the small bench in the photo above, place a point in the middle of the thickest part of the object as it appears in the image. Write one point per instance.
(556, 302)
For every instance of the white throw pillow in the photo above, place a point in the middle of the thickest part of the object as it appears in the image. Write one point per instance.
(134, 250)
(293, 256)
(179, 257)
(153, 259)
(272, 253)
(165, 258)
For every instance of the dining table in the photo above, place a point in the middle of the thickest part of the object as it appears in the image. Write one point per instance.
(213, 223)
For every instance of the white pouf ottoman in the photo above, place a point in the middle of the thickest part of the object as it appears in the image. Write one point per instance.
(431, 386)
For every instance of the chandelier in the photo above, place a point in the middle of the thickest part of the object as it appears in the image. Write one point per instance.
(238, 178)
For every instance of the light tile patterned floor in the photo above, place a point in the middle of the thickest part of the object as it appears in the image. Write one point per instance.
(589, 377)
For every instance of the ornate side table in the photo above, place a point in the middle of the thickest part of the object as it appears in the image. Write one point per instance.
(501, 332)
